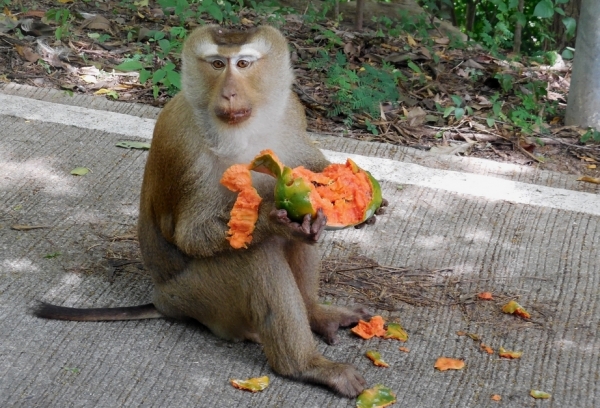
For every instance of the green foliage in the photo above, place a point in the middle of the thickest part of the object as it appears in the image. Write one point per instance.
(358, 91)
(592, 135)
(495, 21)
(155, 64)
(63, 17)
(457, 109)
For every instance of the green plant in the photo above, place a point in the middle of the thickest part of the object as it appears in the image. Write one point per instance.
(457, 109)
(496, 113)
(506, 81)
(101, 38)
(155, 64)
(362, 91)
(63, 17)
(592, 135)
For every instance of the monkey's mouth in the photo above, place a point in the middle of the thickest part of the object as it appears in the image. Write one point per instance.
(233, 117)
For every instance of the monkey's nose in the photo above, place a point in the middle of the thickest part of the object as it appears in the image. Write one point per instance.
(229, 95)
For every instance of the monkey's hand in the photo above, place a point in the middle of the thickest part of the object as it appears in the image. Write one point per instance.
(310, 229)
(371, 220)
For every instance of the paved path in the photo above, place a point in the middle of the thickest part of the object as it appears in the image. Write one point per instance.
(465, 225)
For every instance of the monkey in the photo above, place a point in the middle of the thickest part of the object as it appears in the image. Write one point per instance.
(236, 100)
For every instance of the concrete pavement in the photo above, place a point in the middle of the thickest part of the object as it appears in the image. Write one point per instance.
(466, 225)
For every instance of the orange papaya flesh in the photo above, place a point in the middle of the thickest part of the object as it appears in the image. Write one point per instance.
(347, 194)
(244, 213)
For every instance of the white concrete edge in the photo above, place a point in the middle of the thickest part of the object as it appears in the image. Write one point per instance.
(491, 188)
(33, 109)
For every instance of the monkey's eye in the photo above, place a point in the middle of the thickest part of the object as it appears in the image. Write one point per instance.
(218, 64)
(243, 64)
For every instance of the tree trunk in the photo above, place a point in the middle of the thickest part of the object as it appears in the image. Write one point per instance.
(471, 11)
(583, 108)
(518, 30)
(360, 12)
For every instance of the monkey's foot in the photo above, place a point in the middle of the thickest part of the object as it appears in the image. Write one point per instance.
(326, 320)
(342, 378)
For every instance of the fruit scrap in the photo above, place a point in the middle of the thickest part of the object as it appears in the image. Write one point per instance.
(496, 397)
(404, 349)
(377, 397)
(366, 330)
(244, 213)
(513, 307)
(486, 348)
(485, 296)
(375, 357)
(446, 363)
(509, 354)
(539, 394)
(376, 328)
(252, 384)
(395, 331)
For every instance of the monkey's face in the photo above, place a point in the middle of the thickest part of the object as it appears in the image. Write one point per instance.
(232, 75)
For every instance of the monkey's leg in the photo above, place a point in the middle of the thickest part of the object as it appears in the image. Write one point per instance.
(282, 323)
(304, 261)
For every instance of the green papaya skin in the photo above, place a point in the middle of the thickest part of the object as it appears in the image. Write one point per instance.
(293, 195)
(376, 200)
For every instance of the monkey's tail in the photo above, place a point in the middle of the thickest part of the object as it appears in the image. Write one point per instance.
(49, 311)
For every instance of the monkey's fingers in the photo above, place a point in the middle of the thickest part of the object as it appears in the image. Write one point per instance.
(381, 209)
(318, 224)
(280, 216)
(369, 221)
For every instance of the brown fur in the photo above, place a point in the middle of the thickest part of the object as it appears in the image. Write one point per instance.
(268, 292)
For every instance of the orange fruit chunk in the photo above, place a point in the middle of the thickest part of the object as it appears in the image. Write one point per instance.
(366, 330)
(446, 363)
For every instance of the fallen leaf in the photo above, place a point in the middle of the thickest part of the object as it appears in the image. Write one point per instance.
(252, 384)
(446, 363)
(591, 166)
(97, 22)
(366, 330)
(513, 307)
(411, 41)
(472, 336)
(589, 179)
(80, 171)
(18, 227)
(396, 332)
(485, 296)
(130, 144)
(375, 357)
(486, 348)
(377, 397)
(509, 354)
(496, 397)
(539, 394)
(404, 349)
(27, 53)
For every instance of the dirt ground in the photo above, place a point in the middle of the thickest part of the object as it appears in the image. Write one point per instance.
(100, 35)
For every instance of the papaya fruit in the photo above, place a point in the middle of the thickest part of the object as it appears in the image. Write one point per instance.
(347, 194)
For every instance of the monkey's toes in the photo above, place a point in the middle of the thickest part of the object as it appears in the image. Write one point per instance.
(347, 381)
(353, 316)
